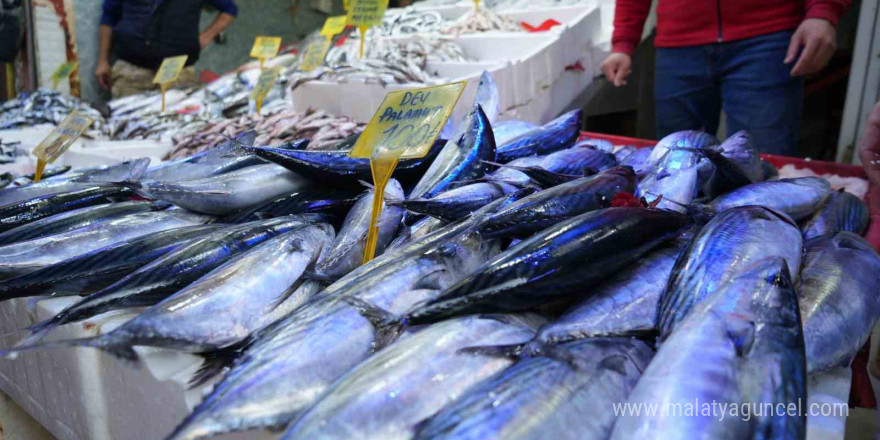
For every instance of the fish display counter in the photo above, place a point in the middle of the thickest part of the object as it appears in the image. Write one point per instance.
(524, 275)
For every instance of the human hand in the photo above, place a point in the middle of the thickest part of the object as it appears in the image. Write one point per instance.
(819, 40)
(104, 74)
(204, 40)
(869, 147)
(616, 68)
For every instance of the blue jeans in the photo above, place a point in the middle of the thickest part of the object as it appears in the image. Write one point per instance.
(747, 78)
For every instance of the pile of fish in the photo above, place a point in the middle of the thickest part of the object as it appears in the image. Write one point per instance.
(323, 131)
(525, 283)
(482, 20)
(410, 21)
(42, 106)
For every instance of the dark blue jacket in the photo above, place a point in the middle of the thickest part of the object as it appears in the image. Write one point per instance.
(147, 31)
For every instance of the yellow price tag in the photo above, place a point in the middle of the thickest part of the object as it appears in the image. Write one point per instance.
(63, 71)
(334, 25)
(266, 47)
(170, 69)
(315, 55)
(405, 126)
(264, 86)
(366, 12)
(59, 140)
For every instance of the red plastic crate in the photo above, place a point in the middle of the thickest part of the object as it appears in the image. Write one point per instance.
(861, 392)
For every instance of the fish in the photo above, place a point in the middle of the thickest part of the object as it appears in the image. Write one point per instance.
(675, 180)
(334, 202)
(624, 151)
(27, 256)
(78, 218)
(842, 212)
(727, 245)
(92, 271)
(578, 160)
(392, 392)
(625, 304)
(23, 212)
(638, 160)
(213, 162)
(511, 175)
(458, 202)
(740, 148)
(550, 206)
(743, 346)
(839, 303)
(689, 139)
(798, 198)
(487, 97)
(596, 144)
(245, 289)
(505, 131)
(175, 270)
(556, 135)
(558, 263)
(462, 158)
(407, 234)
(67, 182)
(226, 193)
(347, 251)
(291, 363)
(546, 396)
(337, 167)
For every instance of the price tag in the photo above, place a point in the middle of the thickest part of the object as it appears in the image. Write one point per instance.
(63, 71)
(333, 26)
(266, 47)
(170, 69)
(364, 14)
(264, 86)
(59, 140)
(315, 55)
(405, 126)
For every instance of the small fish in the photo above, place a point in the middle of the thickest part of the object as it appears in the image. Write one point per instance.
(389, 394)
(458, 202)
(546, 396)
(335, 202)
(556, 135)
(462, 158)
(92, 271)
(26, 211)
(174, 270)
(743, 346)
(550, 206)
(246, 289)
(725, 247)
(78, 218)
(839, 299)
(842, 212)
(347, 251)
(799, 198)
(556, 263)
(27, 256)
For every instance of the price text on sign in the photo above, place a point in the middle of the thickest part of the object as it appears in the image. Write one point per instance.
(62, 137)
(266, 47)
(264, 84)
(366, 12)
(170, 69)
(333, 26)
(315, 54)
(408, 122)
(63, 71)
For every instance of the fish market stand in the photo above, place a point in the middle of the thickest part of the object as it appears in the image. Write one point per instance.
(85, 394)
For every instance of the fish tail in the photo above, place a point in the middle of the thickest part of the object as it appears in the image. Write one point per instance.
(129, 177)
(513, 351)
(123, 351)
(388, 326)
(213, 363)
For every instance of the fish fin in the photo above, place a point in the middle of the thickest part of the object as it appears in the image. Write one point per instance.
(387, 325)
(311, 274)
(214, 362)
(432, 281)
(119, 350)
(512, 351)
(367, 185)
(130, 177)
(616, 363)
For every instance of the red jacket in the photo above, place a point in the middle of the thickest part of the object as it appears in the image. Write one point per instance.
(694, 22)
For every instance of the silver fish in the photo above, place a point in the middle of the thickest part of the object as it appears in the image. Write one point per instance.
(743, 345)
(27, 256)
(798, 198)
(390, 393)
(839, 298)
(682, 139)
(546, 397)
(347, 252)
(740, 148)
(675, 178)
(726, 246)
(407, 234)
(843, 212)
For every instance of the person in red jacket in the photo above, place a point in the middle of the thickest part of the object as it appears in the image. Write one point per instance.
(745, 56)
